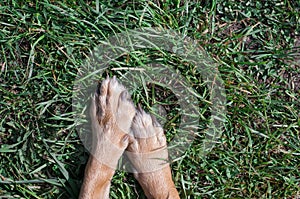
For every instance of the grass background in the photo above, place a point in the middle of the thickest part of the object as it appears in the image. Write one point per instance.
(43, 44)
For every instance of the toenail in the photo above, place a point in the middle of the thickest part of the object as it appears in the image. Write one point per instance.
(124, 95)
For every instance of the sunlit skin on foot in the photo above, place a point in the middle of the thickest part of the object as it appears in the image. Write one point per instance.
(111, 115)
(149, 157)
(116, 126)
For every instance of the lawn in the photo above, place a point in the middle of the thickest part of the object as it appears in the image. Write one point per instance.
(255, 46)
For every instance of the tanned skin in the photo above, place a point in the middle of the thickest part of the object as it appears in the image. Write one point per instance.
(111, 114)
(117, 126)
(149, 157)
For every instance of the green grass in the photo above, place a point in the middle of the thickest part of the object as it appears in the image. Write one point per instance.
(43, 44)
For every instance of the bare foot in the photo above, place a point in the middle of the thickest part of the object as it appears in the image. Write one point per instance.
(112, 112)
(149, 157)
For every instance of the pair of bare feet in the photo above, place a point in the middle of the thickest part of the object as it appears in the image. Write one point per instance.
(119, 127)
